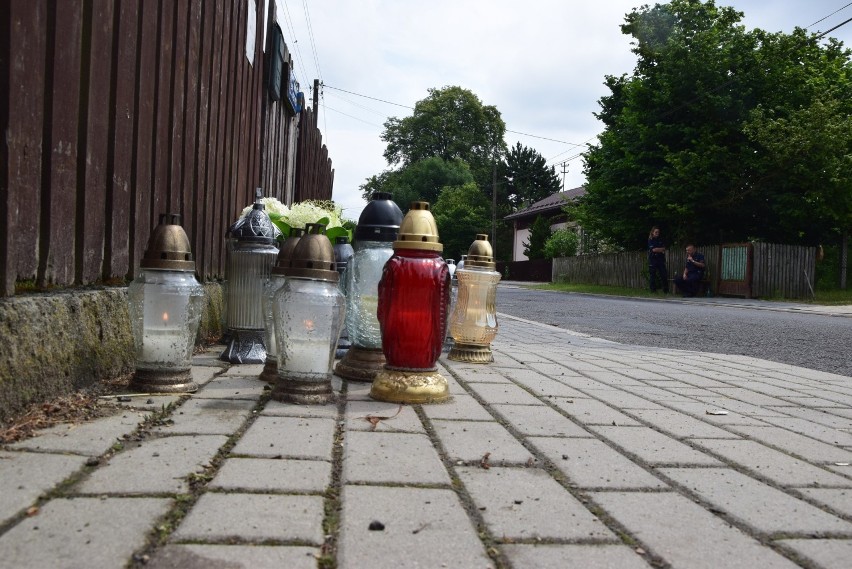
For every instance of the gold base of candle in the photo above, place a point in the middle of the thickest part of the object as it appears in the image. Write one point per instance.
(163, 381)
(403, 386)
(471, 353)
(270, 370)
(302, 392)
(360, 364)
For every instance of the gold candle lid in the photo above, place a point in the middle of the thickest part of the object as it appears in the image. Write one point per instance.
(168, 247)
(480, 254)
(418, 230)
(313, 256)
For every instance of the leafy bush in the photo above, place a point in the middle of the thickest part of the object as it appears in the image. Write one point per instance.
(563, 243)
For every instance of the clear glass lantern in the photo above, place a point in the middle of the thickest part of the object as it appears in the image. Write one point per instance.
(308, 312)
(473, 324)
(165, 305)
(378, 227)
(249, 265)
(272, 286)
(414, 296)
(343, 253)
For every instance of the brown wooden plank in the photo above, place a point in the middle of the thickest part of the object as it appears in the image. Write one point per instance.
(191, 149)
(56, 263)
(23, 138)
(143, 219)
(211, 238)
(163, 111)
(226, 87)
(119, 216)
(178, 108)
(207, 47)
(233, 191)
(240, 180)
(93, 199)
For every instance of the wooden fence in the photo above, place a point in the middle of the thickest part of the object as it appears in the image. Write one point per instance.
(119, 110)
(785, 271)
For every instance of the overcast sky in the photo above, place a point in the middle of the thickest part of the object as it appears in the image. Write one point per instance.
(540, 62)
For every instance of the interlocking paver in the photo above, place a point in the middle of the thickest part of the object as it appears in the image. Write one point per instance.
(622, 399)
(209, 417)
(774, 465)
(90, 439)
(500, 393)
(253, 517)
(403, 458)
(24, 476)
(234, 557)
(525, 503)
(273, 475)
(233, 387)
(81, 532)
(471, 440)
(382, 417)
(461, 407)
(837, 499)
(425, 526)
(155, 466)
(822, 433)
(758, 505)
(592, 412)
(653, 447)
(827, 553)
(539, 421)
(680, 425)
(574, 556)
(278, 409)
(665, 521)
(590, 463)
(794, 443)
(288, 437)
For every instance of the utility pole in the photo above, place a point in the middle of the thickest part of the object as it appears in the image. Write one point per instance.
(564, 171)
(316, 101)
(494, 212)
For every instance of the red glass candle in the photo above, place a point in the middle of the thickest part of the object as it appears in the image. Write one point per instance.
(414, 298)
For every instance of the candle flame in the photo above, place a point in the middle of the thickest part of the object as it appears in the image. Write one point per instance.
(309, 325)
(165, 316)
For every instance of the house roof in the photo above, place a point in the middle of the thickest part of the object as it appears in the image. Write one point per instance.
(549, 205)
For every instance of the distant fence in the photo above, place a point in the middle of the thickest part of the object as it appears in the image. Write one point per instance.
(539, 270)
(115, 112)
(785, 271)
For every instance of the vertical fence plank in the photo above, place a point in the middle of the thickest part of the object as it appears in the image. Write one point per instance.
(162, 110)
(22, 181)
(56, 263)
(191, 146)
(177, 107)
(121, 182)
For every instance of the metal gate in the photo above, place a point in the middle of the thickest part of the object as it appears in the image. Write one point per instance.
(736, 261)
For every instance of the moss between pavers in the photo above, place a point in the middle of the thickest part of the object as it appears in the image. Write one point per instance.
(57, 343)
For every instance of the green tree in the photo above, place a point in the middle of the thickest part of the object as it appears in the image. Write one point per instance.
(451, 123)
(528, 179)
(675, 150)
(540, 232)
(460, 213)
(562, 243)
(422, 180)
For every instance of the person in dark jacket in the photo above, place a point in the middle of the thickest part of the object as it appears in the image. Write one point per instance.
(657, 261)
(689, 282)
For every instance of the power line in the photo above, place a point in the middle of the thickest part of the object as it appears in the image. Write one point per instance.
(289, 22)
(828, 31)
(830, 15)
(311, 37)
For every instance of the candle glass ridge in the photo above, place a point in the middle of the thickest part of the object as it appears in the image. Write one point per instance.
(272, 286)
(249, 264)
(378, 227)
(473, 323)
(308, 312)
(414, 295)
(165, 303)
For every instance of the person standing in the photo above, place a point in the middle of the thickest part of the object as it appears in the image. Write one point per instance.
(657, 261)
(689, 282)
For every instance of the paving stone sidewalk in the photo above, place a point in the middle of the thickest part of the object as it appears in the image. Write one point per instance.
(567, 451)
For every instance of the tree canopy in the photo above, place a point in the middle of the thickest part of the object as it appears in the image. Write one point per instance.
(700, 138)
(528, 178)
(451, 123)
(460, 213)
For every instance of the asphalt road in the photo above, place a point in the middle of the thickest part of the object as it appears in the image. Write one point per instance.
(814, 341)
